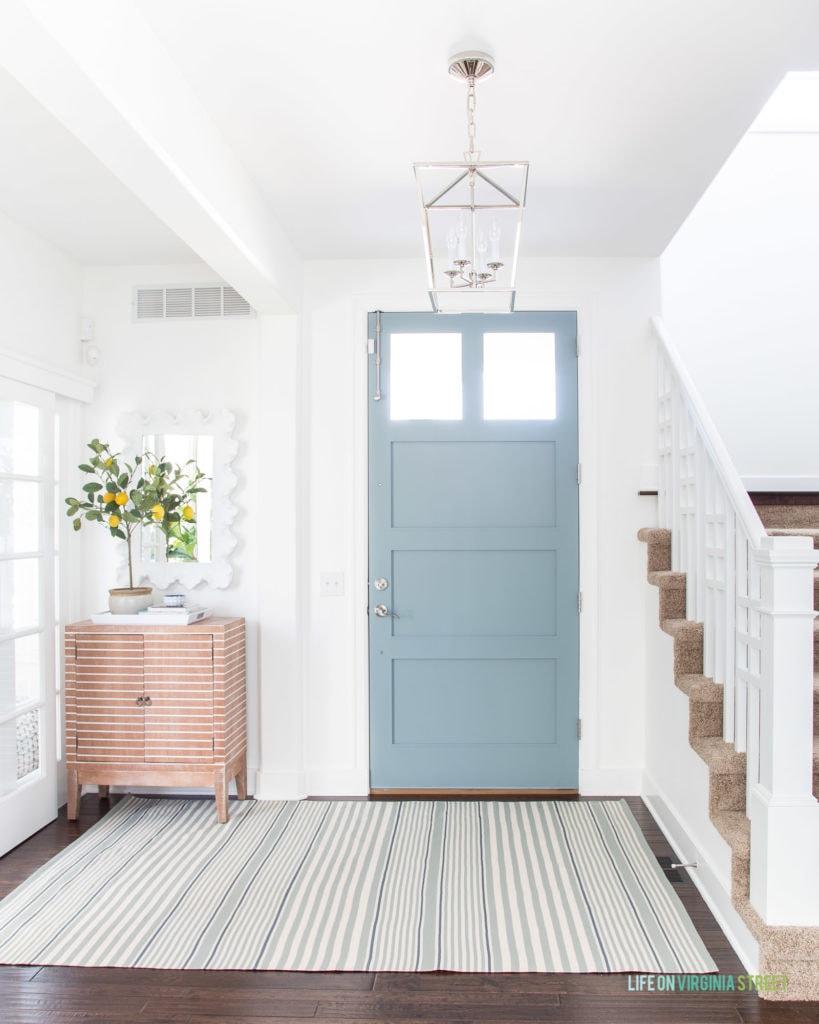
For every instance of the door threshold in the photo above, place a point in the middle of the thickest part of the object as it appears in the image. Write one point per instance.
(474, 794)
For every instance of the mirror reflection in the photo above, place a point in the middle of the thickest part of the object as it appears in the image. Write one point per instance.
(171, 552)
(186, 536)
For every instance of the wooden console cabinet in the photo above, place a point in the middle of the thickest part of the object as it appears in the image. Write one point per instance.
(156, 706)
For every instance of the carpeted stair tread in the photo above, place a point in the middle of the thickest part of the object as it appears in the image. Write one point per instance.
(658, 547)
(787, 517)
(793, 942)
(683, 629)
(654, 534)
(667, 580)
(700, 688)
(735, 829)
(720, 756)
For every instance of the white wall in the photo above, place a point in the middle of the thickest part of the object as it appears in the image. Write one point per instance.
(40, 297)
(200, 365)
(739, 297)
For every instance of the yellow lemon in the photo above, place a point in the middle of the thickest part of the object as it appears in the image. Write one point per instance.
(158, 512)
(107, 497)
(113, 521)
(108, 462)
(152, 470)
(187, 513)
(121, 498)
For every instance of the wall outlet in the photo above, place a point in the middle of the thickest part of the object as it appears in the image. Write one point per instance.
(331, 584)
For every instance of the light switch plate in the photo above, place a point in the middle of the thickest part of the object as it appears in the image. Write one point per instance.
(331, 584)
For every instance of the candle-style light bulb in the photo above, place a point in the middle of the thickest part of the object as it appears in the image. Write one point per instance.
(451, 246)
(462, 238)
(494, 238)
(482, 246)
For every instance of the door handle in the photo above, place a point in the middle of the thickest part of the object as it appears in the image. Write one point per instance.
(383, 612)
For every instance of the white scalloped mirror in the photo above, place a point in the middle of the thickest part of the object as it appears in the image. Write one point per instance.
(206, 438)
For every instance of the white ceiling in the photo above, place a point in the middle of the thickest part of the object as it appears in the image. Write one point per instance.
(625, 110)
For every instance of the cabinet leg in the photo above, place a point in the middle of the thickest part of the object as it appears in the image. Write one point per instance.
(220, 786)
(103, 792)
(241, 781)
(74, 793)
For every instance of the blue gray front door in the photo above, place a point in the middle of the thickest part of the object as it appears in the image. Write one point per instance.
(473, 561)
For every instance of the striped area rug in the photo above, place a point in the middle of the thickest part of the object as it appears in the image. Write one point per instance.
(356, 886)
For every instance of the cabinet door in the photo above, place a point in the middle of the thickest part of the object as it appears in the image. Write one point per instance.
(110, 722)
(179, 683)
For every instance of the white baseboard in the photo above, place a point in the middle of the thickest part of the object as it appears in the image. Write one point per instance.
(705, 877)
(611, 781)
(280, 786)
(338, 782)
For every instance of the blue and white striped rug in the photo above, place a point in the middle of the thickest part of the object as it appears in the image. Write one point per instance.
(356, 886)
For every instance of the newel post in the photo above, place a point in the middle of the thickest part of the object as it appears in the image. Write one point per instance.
(784, 815)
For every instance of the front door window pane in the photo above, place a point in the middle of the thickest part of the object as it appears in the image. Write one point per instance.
(425, 377)
(519, 377)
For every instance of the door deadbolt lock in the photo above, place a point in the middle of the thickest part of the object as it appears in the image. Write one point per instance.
(381, 583)
(383, 612)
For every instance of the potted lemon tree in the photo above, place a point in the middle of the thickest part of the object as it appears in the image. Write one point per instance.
(123, 496)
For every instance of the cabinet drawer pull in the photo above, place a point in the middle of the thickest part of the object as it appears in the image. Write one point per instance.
(140, 701)
(147, 701)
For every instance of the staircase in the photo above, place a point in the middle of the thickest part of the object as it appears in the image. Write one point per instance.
(786, 950)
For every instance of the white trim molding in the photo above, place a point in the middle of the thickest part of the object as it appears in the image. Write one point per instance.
(49, 378)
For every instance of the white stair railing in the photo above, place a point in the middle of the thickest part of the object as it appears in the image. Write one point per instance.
(754, 595)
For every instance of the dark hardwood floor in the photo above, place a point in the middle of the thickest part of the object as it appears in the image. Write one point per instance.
(67, 995)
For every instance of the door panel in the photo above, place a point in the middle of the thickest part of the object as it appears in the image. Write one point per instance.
(469, 593)
(109, 682)
(491, 483)
(474, 701)
(474, 553)
(179, 681)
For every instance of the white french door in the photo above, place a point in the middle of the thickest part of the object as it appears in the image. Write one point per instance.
(28, 616)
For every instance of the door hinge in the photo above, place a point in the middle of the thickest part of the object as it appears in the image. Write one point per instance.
(579, 601)
(370, 346)
(580, 728)
(579, 473)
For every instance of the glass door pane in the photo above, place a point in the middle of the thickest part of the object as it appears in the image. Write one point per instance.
(28, 748)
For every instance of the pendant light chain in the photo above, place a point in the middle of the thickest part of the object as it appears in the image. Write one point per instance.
(471, 102)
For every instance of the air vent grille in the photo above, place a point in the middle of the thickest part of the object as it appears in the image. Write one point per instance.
(189, 302)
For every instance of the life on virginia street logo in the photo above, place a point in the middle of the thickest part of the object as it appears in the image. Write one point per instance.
(707, 982)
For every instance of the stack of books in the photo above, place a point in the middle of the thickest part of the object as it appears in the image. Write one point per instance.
(156, 615)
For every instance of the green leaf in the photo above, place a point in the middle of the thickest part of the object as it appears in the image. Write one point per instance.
(86, 468)
(91, 488)
(77, 524)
